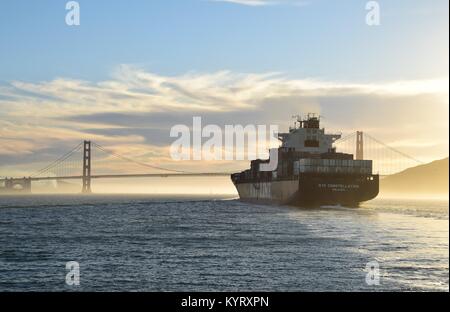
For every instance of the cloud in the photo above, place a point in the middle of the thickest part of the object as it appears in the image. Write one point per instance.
(135, 90)
(134, 110)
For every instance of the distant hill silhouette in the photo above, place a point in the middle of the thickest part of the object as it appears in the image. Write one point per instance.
(431, 178)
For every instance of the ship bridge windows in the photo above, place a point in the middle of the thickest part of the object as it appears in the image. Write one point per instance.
(311, 143)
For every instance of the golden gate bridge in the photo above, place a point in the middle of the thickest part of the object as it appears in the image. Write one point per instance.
(70, 166)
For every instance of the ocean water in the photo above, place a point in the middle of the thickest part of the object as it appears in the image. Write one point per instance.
(179, 243)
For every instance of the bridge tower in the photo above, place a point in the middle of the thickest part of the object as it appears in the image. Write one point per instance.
(86, 167)
(359, 145)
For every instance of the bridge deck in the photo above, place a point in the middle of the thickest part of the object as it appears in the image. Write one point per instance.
(115, 176)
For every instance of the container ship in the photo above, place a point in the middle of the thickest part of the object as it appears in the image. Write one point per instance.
(310, 172)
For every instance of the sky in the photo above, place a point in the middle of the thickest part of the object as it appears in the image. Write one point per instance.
(133, 69)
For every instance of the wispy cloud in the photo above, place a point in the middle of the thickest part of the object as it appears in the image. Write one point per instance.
(135, 109)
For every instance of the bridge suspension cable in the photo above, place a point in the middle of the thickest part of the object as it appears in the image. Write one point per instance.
(346, 138)
(58, 161)
(136, 161)
(394, 150)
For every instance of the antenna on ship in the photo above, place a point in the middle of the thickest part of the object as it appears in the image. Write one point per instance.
(297, 119)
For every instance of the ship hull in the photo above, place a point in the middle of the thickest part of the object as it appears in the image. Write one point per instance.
(311, 189)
